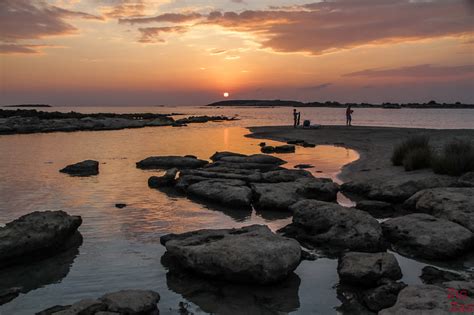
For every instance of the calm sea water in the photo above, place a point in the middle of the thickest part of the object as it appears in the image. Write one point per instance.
(121, 246)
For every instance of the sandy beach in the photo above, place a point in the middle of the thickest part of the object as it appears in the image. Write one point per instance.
(374, 144)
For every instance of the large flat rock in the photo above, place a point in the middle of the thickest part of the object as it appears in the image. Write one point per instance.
(84, 168)
(422, 235)
(453, 204)
(230, 192)
(38, 234)
(331, 226)
(165, 162)
(252, 254)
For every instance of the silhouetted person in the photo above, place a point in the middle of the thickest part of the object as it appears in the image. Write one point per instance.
(295, 118)
(349, 112)
(299, 119)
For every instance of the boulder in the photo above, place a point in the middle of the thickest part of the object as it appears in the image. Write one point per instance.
(164, 162)
(223, 173)
(86, 306)
(466, 180)
(254, 158)
(267, 149)
(37, 234)
(228, 192)
(219, 155)
(84, 168)
(432, 275)
(285, 175)
(378, 209)
(422, 235)
(303, 166)
(424, 299)
(168, 179)
(399, 188)
(331, 226)
(252, 254)
(453, 204)
(242, 166)
(288, 148)
(281, 195)
(382, 296)
(132, 301)
(367, 269)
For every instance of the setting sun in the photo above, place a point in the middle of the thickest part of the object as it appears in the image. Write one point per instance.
(226, 94)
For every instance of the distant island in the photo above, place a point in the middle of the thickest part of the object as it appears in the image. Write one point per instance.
(289, 103)
(28, 105)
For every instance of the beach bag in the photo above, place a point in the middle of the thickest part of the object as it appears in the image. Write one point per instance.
(306, 123)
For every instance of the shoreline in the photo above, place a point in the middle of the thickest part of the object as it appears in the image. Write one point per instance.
(373, 144)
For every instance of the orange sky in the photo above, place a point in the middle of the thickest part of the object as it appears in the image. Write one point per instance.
(120, 52)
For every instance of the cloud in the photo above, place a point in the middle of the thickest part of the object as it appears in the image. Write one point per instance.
(25, 19)
(317, 87)
(125, 10)
(20, 49)
(167, 17)
(426, 70)
(152, 34)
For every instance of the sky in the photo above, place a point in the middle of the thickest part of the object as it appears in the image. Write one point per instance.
(183, 52)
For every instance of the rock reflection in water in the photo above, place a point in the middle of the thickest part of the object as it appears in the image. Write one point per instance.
(31, 276)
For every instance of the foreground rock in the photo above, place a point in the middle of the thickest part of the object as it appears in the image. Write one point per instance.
(425, 299)
(466, 180)
(252, 254)
(397, 189)
(38, 234)
(130, 302)
(432, 275)
(84, 168)
(164, 162)
(382, 296)
(422, 235)
(232, 193)
(453, 204)
(168, 179)
(282, 195)
(333, 227)
(367, 269)
(378, 209)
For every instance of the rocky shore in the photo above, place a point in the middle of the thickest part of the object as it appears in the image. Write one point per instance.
(32, 121)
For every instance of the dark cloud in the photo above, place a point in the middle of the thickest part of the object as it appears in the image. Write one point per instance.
(415, 71)
(317, 87)
(152, 34)
(19, 49)
(25, 19)
(167, 17)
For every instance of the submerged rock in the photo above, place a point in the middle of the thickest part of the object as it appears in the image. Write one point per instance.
(288, 148)
(453, 204)
(422, 235)
(333, 227)
(37, 234)
(160, 162)
(303, 166)
(168, 179)
(367, 269)
(232, 193)
(424, 299)
(84, 168)
(251, 254)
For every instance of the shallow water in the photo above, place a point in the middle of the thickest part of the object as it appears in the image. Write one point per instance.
(121, 247)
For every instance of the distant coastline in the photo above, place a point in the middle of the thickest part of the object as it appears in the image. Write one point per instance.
(290, 103)
(28, 105)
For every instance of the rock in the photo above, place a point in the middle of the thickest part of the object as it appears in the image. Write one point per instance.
(267, 149)
(120, 205)
(254, 158)
(168, 179)
(423, 299)
(466, 180)
(453, 204)
(280, 196)
(382, 296)
(9, 294)
(432, 275)
(251, 254)
(87, 306)
(264, 167)
(298, 141)
(288, 148)
(262, 144)
(222, 173)
(160, 162)
(331, 226)
(302, 166)
(53, 309)
(184, 182)
(399, 188)
(84, 168)
(285, 175)
(232, 193)
(132, 301)
(308, 145)
(378, 209)
(367, 269)
(219, 155)
(37, 234)
(422, 235)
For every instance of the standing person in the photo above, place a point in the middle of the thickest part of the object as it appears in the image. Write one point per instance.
(349, 112)
(295, 118)
(299, 119)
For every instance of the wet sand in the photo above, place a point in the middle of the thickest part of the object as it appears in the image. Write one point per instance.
(374, 144)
